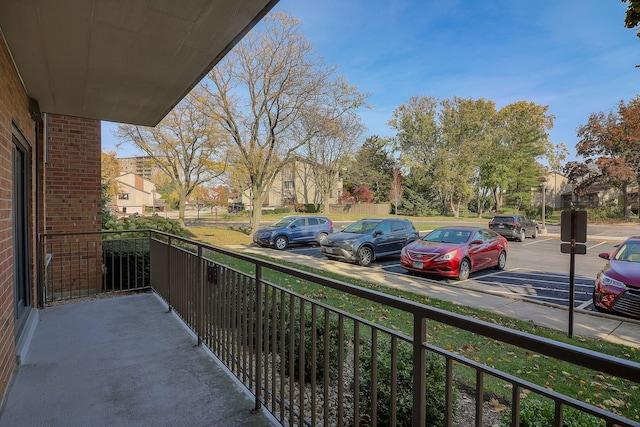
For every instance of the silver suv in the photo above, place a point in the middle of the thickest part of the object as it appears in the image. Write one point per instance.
(364, 241)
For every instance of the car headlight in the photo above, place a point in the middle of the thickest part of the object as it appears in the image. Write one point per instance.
(349, 242)
(446, 257)
(608, 281)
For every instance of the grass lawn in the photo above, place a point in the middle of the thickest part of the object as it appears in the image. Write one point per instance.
(592, 387)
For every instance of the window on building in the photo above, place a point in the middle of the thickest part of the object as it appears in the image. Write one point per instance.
(288, 184)
(123, 196)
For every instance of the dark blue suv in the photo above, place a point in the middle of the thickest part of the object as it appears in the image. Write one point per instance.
(294, 229)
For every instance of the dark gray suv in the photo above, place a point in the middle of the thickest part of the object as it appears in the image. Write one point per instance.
(514, 226)
(364, 241)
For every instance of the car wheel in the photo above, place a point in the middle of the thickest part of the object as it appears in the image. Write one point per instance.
(535, 233)
(365, 256)
(502, 261)
(321, 237)
(464, 270)
(280, 243)
(522, 236)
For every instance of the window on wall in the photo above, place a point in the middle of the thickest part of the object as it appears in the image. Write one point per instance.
(288, 185)
(123, 196)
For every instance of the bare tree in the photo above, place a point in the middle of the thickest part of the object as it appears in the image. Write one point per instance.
(186, 145)
(273, 94)
(396, 190)
(329, 152)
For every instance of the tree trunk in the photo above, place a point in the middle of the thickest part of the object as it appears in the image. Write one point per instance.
(257, 199)
(625, 201)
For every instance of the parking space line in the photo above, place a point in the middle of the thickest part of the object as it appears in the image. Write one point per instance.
(585, 304)
(534, 241)
(596, 245)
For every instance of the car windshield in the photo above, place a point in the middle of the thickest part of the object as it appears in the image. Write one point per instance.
(361, 227)
(447, 236)
(503, 219)
(283, 222)
(628, 252)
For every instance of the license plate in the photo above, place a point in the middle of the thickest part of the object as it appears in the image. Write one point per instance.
(417, 264)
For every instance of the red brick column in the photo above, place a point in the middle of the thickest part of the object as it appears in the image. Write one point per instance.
(73, 201)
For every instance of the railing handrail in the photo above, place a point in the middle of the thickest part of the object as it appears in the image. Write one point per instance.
(577, 355)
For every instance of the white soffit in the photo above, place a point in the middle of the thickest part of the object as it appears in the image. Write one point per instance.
(128, 61)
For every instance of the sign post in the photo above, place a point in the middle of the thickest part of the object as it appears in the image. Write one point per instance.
(573, 229)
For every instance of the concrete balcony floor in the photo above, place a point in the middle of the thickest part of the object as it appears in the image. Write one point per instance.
(122, 361)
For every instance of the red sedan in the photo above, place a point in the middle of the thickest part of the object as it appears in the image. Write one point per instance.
(617, 287)
(455, 252)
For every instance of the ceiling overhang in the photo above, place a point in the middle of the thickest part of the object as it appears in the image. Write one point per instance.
(127, 61)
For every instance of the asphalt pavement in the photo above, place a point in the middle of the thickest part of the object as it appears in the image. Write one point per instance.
(585, 323)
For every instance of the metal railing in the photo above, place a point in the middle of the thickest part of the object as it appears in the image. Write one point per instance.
(310, 363)
(92, 263)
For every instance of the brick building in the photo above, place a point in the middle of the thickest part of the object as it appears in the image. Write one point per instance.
(64, 67)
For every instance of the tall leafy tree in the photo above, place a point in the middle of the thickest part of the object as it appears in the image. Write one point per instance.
(610, 144)
(418, 140)
(372, 166)
(521, 139)
(632, 16)
(110, 170)
(186, 146)
(466, 129)
(272, 94)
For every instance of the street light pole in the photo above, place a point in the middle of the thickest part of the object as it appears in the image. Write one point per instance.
(543, 181)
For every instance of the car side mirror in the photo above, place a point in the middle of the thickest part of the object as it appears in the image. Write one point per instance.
(605, 255)
(377, 233)
(476, 242)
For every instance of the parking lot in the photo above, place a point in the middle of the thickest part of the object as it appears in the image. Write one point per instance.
(536, 270)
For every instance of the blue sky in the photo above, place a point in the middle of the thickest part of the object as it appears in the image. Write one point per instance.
(574, 56)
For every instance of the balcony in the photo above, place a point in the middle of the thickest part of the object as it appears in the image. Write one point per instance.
(128, 361)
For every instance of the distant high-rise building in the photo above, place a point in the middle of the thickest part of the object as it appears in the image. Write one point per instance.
(139, 165)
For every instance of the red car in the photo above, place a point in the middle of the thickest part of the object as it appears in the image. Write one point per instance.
(617, 287)
(455, 252)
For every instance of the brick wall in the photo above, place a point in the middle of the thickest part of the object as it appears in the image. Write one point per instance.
(72, 191)
(14, 111)
(72, 172)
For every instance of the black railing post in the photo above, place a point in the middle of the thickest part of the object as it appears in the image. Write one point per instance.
(168, 263)
(258, 332)
(419, 414)
(200, 281)
(40, 262)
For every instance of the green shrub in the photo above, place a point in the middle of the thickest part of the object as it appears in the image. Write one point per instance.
(435, 393)
(607, 211)
(312, 207)
(537, 413)
(127, 264)
(126, 256)
(295, 329)
(137, 222)
(535, 212)
(281, 211)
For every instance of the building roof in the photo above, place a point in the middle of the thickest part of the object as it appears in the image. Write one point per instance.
(128, 61)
